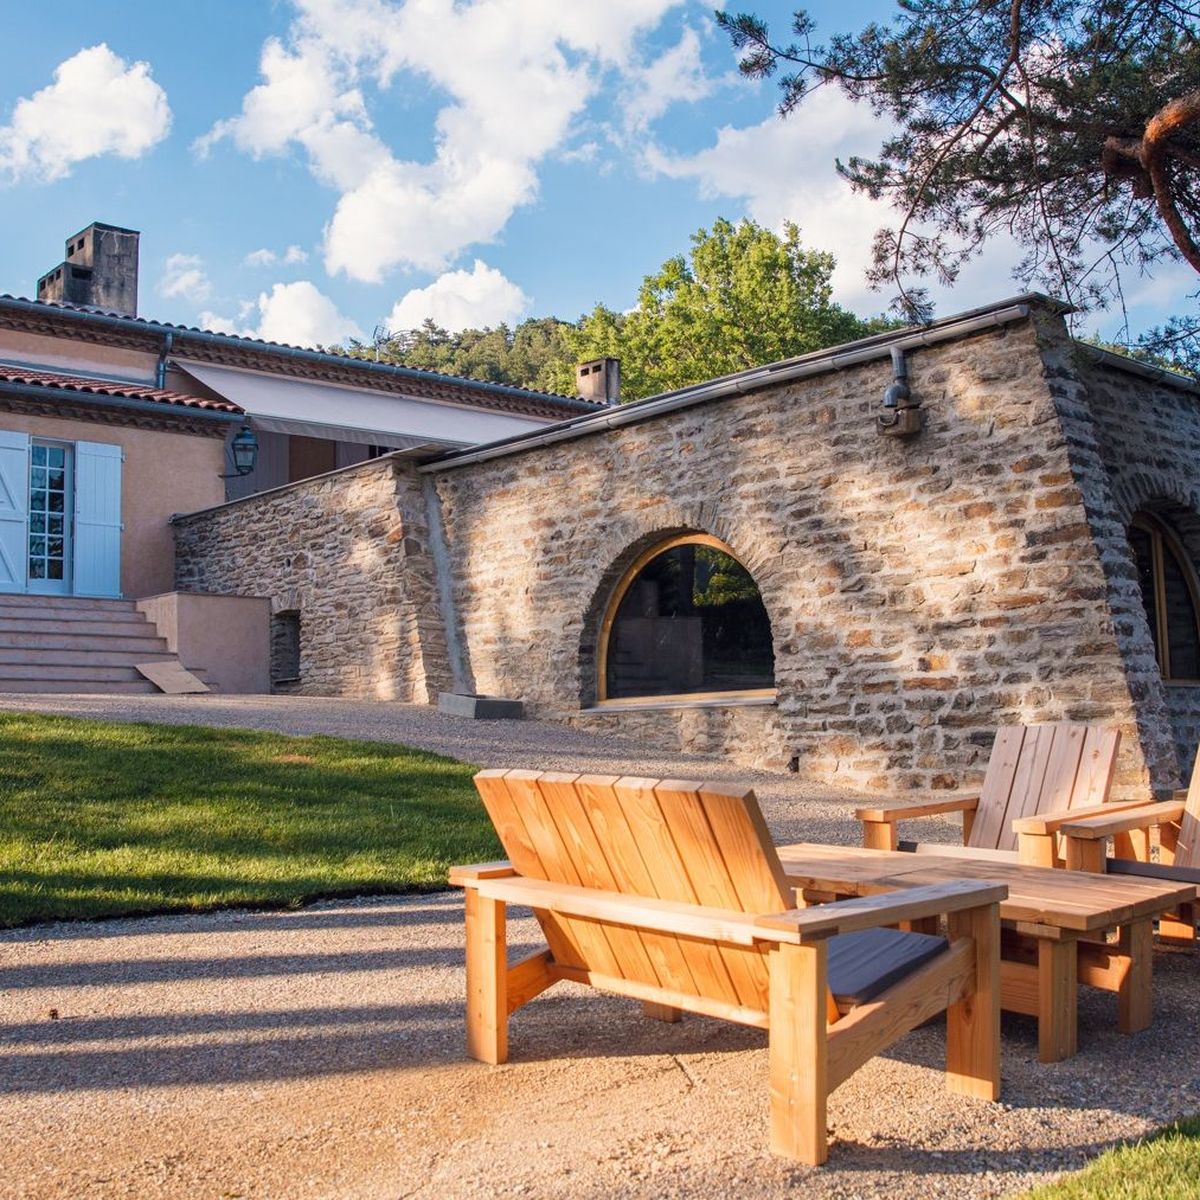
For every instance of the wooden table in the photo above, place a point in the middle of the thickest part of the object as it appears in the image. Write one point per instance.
(1061, 928)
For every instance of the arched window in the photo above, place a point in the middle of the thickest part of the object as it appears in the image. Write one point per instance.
(686, 622)
(1170, 594)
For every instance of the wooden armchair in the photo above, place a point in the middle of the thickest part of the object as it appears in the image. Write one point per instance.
(1176, 823)
(1032, 769)
(671, 893)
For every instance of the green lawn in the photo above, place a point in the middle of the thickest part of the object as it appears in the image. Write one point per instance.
(98, 819)
(1165, 1166)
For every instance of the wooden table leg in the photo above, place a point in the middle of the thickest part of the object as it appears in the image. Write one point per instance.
(1058, 990)
(1134, 998)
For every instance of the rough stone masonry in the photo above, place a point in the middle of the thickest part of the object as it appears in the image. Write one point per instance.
(920, 591)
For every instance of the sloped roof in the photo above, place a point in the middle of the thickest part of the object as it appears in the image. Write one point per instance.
(56, 318)
(108, 387)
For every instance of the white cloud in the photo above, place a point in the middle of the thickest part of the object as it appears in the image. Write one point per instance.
(298, 314)
(784, 171)
(184, 278)
(676, 76)
(515, 75)
(269, 258)
(458, 300)
(98, 104)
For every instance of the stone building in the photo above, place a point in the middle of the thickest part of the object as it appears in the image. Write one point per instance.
(761, 567)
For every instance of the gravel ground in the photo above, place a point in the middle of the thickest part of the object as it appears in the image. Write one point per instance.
(317, 1054)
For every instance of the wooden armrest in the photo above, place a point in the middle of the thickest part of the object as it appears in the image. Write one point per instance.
(902, 810)
(1052, 822)
(471, 872)
(1124, 822)
(619, 908)
(888, 908)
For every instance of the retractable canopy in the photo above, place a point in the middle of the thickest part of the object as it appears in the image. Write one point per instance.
(283, 404)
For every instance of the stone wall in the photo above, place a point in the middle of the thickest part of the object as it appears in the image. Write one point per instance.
(920, 592)
(350, 552)
(1142, 436)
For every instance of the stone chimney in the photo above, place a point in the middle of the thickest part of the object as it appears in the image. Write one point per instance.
(599, 379)
(99, 270)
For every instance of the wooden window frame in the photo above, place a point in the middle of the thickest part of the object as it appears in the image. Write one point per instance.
(1164, 541)
(623, 585)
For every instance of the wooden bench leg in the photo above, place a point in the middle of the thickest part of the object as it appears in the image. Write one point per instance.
(1180, 926)
(1135, 1002)
(1058, 991)
(487, 979)
(973, 1023)
(798, 1052)
(880, 835)
(661, 1012)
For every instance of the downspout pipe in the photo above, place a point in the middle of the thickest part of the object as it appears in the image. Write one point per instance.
(160, 370)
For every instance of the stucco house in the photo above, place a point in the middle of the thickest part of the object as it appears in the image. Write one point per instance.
(110, 424)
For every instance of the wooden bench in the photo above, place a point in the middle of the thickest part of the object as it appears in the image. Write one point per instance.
(1052, 768)
(671, 893)
(1176, 822)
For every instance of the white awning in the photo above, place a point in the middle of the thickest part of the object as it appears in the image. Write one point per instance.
(282, 404)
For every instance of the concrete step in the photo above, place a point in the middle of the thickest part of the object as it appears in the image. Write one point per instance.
(80, 641)
(84, 687)
(94, 658)
(11, 672)
(92, 603)
(70, 616)
(51, 626)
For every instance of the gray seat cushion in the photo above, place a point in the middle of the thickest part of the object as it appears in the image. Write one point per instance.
(864, 964)
(1125, 866)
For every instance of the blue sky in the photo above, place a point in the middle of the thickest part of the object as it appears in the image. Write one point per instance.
(314, 169)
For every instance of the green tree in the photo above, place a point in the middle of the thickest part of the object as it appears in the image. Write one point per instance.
(524, 356)
(742, 297)
(1070, 125)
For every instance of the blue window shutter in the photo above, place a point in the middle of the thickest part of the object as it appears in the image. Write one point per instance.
(97, 519)
(14, 510)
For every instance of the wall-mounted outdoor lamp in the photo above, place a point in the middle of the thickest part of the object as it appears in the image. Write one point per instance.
(243, 450)
(901, 416)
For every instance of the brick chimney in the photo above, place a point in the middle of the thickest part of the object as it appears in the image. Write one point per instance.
(99, 270)
(599, 379)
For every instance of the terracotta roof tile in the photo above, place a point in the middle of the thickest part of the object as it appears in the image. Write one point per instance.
(109, 387)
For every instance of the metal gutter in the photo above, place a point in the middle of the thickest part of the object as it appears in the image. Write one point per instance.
(267, 493)
(1120, 362)
(158, 408)
(176, 337)
(820, 363)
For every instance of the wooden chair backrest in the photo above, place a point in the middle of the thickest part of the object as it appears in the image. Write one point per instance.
(673, 840)
(1041, 769)
(1187, 841)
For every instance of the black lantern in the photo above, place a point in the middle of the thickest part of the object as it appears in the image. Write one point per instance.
(244, 451)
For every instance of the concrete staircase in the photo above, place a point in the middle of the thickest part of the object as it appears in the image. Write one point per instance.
(70, 644)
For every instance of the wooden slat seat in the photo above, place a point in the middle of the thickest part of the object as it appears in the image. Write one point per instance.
(1052, 768)
(865, 964)
(671, 893)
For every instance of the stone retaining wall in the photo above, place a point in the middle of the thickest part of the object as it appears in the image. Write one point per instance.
(920, 592)
(350, 552)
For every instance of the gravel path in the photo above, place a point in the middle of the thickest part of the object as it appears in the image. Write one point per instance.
(317, 1054)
